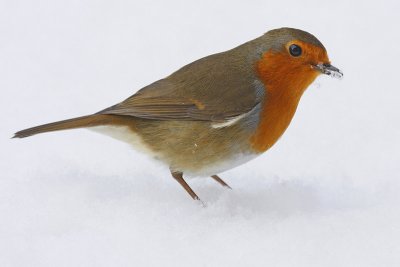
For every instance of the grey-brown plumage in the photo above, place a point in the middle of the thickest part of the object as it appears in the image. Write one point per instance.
(200, 119)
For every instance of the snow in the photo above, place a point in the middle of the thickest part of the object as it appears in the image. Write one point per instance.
(325, 195)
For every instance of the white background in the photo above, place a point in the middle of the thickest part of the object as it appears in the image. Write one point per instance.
(327, 194)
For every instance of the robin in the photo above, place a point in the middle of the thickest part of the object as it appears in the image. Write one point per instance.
(217, 112)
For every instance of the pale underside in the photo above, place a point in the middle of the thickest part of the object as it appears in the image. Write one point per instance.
(199, 156)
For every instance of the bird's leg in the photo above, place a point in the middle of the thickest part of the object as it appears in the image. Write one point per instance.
(220, 181)
(179, 178)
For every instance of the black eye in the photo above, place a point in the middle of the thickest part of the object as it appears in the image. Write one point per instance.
(295, 50)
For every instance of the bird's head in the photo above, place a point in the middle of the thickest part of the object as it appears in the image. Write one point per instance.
(291, 60)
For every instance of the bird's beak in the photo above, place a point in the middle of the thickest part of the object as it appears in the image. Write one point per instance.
(328, 69)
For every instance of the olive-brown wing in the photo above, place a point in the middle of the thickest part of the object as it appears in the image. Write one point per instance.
(215, 88)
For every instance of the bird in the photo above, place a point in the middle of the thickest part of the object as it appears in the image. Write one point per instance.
(217, 112)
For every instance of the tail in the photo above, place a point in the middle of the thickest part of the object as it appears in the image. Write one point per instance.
(80, 122)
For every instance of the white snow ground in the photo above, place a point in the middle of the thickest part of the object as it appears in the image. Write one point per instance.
(326, 195)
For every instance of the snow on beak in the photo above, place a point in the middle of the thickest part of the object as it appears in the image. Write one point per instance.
(328, 69)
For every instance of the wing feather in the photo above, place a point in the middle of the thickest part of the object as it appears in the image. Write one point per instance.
(217, 88)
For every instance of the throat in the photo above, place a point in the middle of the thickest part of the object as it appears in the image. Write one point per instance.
(284, 83)
(276, 115)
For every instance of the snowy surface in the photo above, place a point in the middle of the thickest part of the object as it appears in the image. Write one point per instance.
(326, 195)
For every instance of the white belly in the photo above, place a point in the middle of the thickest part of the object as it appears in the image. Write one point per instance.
(221, 166)
(124, 134)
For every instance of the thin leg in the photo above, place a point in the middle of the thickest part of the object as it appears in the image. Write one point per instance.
(179, 178)
(220, 181)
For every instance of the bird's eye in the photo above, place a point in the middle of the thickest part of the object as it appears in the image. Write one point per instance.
(295, 50)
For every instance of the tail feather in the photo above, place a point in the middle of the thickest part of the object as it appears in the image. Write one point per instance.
(80, 122)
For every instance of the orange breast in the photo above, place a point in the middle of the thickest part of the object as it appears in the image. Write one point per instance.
(285, 79)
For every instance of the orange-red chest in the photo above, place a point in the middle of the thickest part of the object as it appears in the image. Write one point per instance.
(284, 83)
